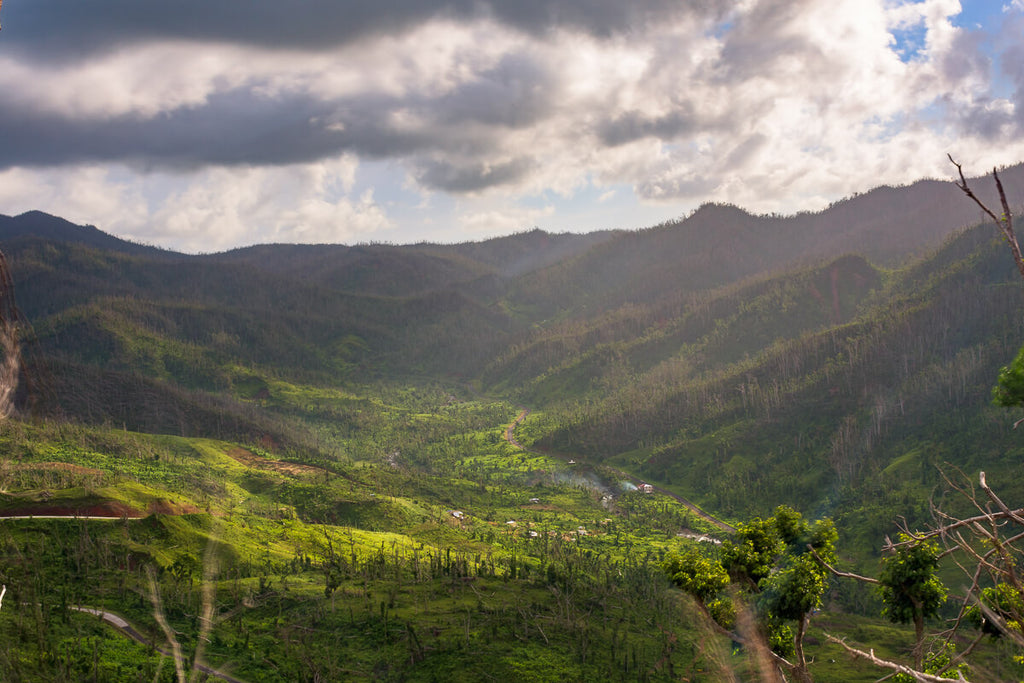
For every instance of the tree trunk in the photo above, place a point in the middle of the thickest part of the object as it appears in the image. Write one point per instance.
(800, 671)
(918, 640)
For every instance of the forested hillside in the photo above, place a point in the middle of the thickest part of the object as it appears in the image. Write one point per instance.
(805, 389)
(314, 444)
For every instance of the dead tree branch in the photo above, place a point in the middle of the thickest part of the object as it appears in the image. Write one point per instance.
(893, 666)
(838, 573)
(1005, 222)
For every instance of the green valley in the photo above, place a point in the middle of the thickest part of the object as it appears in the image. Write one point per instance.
(290, 463)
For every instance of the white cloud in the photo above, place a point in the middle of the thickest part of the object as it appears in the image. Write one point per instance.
(206, 211)
(779, 106)
(481, 223)
(86, 194)
(223, 207)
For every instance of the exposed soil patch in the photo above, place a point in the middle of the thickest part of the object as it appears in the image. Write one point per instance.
(107, 508)
(249, 460)
(163, 506)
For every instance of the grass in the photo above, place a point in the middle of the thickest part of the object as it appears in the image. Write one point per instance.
(358, 569)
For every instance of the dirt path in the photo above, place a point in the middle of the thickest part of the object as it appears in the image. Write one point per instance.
(510, 436)
(510, 431)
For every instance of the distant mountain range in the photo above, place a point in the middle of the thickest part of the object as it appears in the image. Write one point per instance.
(740, 359)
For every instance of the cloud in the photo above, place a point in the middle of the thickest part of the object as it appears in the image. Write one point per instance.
(298, 204)
(487, 222)
(772, 104)
(471, 176)
(87, 194)
(72, 29)
(210, 210)
(634, 125)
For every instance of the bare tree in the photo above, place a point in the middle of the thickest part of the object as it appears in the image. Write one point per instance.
(1004, 221)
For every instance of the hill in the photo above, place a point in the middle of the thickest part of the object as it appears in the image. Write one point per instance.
(718, 245)
(44, 226)
(310, 443)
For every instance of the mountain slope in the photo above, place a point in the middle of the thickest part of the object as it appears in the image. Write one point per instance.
(44, 226)
(642, 348)
(718, 245)
(316, 459)
(810, 415)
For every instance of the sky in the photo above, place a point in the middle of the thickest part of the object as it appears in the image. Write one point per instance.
(204, 125)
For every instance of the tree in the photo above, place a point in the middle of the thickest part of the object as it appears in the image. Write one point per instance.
(795, 591)
(988, 548)
(1003, 221)
(1009, 389)
(771, 569)
(910, 588)
(752, 552)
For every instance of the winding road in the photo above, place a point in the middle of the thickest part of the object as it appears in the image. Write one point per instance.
(510, 436)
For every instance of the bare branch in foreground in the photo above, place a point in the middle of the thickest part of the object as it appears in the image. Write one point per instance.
(893, 666)
(158, 614)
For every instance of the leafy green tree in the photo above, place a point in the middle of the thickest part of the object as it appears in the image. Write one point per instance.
(911, 589)
(795, 591)
(1009, 389)
(700, 576)
(1003, 600)
(789, 524)
(770, 563)
(752, 553)
(940, 664)
(987, 547)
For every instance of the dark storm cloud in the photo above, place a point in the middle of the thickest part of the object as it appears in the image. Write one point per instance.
(247, 126)
(966, 58)
(516, 93)
(675, 186)
(472, 176)
(986, 116)
(68, 29)
(637, 125)
(240, 128)
(761, 39)
(233, 128)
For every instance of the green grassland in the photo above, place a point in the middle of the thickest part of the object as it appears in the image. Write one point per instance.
(356, 569)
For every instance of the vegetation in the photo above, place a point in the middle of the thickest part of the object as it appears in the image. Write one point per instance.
(293, 464)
